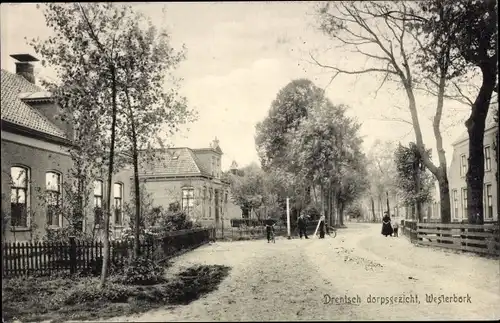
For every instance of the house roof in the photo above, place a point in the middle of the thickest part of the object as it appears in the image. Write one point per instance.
(175, 162)
(16, 111)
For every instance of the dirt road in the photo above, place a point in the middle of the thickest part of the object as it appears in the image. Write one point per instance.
(289, 280)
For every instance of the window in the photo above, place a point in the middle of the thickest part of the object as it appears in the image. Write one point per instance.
(225, 199)
(19, 196)
(455, 204)
(218, 167)
(464, 203)
(487, 158)
(463, 165)
(204, 193)
(213, 166)
(53, 191)
(98, 189)
(188, 200)
(118, 202)
(489, 201)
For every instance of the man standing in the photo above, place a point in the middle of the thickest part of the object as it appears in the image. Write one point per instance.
(301, 223)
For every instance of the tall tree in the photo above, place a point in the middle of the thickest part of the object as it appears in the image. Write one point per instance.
(248, 191)
(288, 110)
(147, 60)
(85, 50)
(470, 29)
(414, 183)
(321, 147)
(384, 34)
(381, 173)
(290, 107)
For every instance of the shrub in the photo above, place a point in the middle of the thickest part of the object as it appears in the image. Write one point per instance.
(88, 291)
(142, 271)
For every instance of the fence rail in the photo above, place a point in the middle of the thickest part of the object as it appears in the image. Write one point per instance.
(45, 258)
(481, 239)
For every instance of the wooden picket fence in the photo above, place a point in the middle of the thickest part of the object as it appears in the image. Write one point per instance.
(46, 258)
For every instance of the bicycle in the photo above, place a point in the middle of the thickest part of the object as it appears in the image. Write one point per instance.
(272, 237)
(332, 232)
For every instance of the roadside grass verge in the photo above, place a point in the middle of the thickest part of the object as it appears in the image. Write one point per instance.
(34, 299)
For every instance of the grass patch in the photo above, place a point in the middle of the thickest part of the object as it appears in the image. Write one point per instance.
(76, 298)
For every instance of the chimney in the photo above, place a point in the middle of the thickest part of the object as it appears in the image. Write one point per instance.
(24, 66)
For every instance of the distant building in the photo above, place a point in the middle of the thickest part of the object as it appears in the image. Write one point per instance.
(458, 170)
(190, 177)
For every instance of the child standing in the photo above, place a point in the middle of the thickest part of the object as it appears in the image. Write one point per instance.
(395, 226)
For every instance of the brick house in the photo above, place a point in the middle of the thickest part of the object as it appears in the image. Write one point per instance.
(35, 158)
(192, 178)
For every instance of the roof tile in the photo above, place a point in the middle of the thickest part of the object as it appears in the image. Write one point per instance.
(16, 111)
(173, 161)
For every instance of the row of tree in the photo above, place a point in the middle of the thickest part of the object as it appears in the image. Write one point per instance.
(310, 151)
(116, 89)
(441, 47)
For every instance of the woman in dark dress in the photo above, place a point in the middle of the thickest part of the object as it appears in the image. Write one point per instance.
(386, 225)
(322, 227)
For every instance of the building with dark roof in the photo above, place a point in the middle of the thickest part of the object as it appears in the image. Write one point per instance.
(36, 159)
(192, 178)
(34, 152)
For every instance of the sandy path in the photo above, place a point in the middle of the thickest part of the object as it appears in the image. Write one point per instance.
(288, 280)
(363, 262)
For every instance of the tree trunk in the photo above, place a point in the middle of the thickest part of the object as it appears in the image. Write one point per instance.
(440, 172)
(137, 191)
(373, 209)
(388, 207)
(137, 201)
(107, 213)
(475, 127)
(341, 214)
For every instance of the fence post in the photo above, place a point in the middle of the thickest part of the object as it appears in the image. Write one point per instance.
(72, 254)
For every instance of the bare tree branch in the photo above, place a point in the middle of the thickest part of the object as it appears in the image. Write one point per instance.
(393, 120)
(338, 70)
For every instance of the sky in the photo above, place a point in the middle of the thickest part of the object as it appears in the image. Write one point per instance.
(239, 55)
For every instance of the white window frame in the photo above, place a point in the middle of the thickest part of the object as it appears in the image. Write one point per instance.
(96, 198)
(58, 191)
(27, 195)
(187, 200)
(488, 199)
(115, 200)
(455, 204)
(463, 165)
(487, 158)
(464, 203)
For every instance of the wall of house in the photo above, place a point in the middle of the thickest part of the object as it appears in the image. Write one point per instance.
(123, 177)
(206, 157)
(457, 180)
(39, 157)
(55, 114)
(165, 191)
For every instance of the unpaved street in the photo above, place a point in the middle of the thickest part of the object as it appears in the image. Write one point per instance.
(288, 281)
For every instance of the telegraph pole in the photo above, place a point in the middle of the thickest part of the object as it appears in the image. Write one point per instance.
(288, 217)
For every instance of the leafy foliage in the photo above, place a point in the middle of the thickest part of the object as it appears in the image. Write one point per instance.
(142, 271)
(410, 169)
(291, 106)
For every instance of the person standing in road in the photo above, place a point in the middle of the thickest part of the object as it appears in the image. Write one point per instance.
(322, 227)
(302, 224)
(395, 226)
